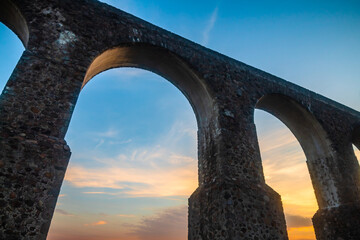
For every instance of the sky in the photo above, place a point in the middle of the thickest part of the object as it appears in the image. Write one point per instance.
(134, 159)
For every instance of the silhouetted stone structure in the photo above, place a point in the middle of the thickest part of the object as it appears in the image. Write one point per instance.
(69, 41)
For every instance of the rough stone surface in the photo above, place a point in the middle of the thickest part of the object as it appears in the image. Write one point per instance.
(69, 41)
(337, 223)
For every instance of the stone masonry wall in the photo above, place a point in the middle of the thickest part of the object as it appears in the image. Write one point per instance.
(64, 38)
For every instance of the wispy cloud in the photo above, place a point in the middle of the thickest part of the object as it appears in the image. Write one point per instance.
(126, 215)
(137, 182)
(101, 142)
(95, 192)
(294, 221)
(63, 212)
(120, 142)
(209, 26)
(170, 223)
(110, 136)
(279, 139)
(110, 133)
(141, 172)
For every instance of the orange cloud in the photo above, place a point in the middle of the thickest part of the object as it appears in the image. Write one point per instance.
(161, 170)
(100, 223)
(179, 177)
(96, 223)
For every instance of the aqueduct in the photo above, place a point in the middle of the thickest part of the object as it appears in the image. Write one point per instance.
(68, 42)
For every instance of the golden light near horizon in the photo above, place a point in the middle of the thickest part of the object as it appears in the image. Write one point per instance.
(285, 170)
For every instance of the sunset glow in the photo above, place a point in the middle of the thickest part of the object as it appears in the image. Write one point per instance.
(286, 172)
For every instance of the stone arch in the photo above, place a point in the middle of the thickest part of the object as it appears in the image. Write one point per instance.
(313, 140)
(356, 136)
(171, 67)
(305, 127)
(11, 16)
(163, 63)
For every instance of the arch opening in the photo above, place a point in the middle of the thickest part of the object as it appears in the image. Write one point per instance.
(285, 171)
(11, 50)
(11, 16)
(301, 123)
(146, 179)
(167, 65)
(313, 140)
(163, 63)
(314, 143)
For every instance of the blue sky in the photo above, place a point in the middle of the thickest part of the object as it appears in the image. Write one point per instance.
(133, 134)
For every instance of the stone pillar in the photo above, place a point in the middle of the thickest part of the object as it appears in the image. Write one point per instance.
(340, 218)
(233, 201)
(35, 109)
(31, 173)
(337, 223)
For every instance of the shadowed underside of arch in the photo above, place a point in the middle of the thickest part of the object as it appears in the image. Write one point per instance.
(13, 19)
(356, 137)
(164, 63)
(312, 138)
(301, 122)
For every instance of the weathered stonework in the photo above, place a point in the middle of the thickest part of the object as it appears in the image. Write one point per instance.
(68, 42)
